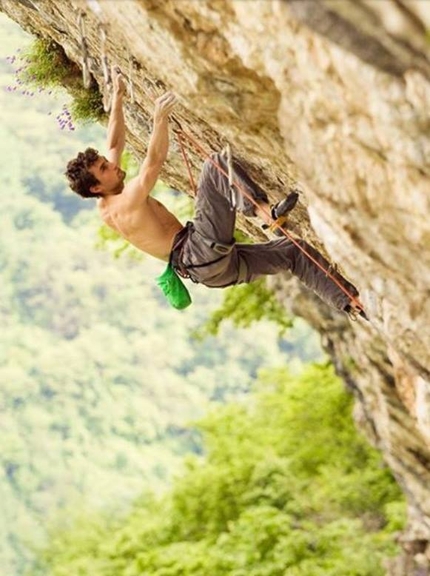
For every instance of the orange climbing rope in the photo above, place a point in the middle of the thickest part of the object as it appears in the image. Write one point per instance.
(181, 134)
(187, 163)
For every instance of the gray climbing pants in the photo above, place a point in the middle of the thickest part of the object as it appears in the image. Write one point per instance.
(210, 256)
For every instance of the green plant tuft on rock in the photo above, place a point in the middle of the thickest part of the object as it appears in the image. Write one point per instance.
(87, 105)
(46, 65)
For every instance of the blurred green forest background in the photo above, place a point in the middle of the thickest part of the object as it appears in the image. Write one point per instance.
(99, 381)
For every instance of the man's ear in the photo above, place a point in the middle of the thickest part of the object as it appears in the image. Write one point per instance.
(97, 189)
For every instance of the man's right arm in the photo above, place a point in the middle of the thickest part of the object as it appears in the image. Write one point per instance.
(158, 145)
(116, 125)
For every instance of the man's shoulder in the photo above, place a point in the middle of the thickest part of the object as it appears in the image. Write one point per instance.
(133, 186)
(134, 193)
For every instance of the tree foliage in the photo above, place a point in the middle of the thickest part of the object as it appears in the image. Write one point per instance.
(45, 64)
(244, 305)
(286, 487)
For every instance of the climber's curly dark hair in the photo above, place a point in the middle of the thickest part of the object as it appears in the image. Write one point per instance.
(78, 174)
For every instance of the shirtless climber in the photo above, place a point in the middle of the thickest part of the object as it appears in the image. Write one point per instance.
(204, 250)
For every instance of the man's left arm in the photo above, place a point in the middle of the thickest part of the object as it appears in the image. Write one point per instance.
(116, 125)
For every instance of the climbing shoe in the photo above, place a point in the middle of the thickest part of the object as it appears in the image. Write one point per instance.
(279, 212)
(284, 206)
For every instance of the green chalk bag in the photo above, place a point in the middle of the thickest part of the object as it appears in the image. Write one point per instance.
(174, 289)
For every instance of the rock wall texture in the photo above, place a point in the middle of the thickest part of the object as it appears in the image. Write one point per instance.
(332, 96)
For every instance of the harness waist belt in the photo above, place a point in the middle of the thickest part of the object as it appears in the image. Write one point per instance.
(178, 247)
(175, 258)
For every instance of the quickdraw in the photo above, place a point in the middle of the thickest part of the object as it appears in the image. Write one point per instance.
(86, 61)
(107, 80)
(88, 64)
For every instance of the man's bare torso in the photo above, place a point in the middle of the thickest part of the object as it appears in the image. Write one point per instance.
(149, 225)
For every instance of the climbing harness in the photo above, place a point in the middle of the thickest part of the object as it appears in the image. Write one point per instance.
(176, 253)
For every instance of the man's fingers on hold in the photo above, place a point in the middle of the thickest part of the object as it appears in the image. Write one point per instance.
(166, 96)
(169, 101)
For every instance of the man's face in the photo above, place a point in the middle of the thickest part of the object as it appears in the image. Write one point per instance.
(110, 176)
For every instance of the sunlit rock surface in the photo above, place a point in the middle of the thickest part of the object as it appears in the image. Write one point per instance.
(332, 96)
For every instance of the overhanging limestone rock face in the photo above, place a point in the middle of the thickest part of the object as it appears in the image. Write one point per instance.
(337, 94)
